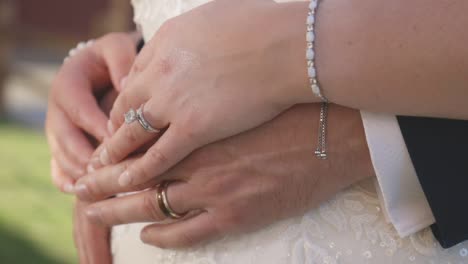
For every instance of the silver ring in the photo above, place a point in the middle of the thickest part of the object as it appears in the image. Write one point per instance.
(145, 124)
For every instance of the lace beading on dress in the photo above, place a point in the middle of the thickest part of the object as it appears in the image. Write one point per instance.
(350, 228)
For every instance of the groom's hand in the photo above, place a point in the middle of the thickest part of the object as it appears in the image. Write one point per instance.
(242, 183)
(75, 120)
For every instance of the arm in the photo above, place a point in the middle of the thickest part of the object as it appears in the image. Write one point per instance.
(234, 181)
(400, 57)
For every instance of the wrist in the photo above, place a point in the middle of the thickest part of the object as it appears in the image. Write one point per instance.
(292, 64)
(349, 154)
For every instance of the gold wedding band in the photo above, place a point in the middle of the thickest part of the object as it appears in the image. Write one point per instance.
(161, 196)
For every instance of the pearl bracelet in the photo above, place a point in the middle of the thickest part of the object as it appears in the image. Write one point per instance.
(320, 152)
(79, 47)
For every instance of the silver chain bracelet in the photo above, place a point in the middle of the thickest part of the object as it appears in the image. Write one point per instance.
(321, 151)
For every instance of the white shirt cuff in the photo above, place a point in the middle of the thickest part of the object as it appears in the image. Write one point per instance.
(398, 187)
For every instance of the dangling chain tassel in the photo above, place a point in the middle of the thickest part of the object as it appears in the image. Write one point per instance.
(321, 151)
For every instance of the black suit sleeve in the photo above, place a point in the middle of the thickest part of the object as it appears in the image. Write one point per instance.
(439, 151)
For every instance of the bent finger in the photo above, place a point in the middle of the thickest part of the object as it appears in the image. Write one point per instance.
(133, 96)
(60, 179)
(102, 183)
(83, 110)
(64, 135)
(117, 52)
(127, 139)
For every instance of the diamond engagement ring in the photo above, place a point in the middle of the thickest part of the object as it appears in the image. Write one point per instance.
(130, 116)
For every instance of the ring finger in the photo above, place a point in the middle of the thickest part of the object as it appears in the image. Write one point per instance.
(144, 206)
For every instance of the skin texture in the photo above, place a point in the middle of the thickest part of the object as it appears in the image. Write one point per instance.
(239, 184)
(195, 86)
(405, 60)
(73, 127)
(374, 55)
(400, 57)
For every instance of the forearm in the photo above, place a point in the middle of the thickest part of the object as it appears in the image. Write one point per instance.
(400, 57)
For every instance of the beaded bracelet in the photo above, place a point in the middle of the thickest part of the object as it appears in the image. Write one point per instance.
(320, 152)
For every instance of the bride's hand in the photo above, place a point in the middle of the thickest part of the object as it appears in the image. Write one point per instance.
(73, 109)
(208, 74)
(241, 183)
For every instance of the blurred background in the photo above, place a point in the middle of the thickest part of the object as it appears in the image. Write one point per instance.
(35, 36)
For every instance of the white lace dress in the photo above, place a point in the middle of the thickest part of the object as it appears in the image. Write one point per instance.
(350, 228)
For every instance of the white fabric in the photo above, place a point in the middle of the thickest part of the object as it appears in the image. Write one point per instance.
(402, 196)
(350, 228)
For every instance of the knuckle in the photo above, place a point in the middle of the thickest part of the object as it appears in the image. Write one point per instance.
(107, 216)
(75, 114)
(93, 190)
(114, 153)
(156, 157)
(120, 106)
(186, 240)
(219, 185)
(231, 220)
(131, 134)
(151, 207)
(141, 174)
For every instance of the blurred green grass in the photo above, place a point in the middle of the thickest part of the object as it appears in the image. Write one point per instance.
(35, 219)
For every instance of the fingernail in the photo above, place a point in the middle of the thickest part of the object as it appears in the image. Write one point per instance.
(95, 163)
(104, 157)
(81, 190)
(90, 168)
(144, 236)
(68, 188)
(110, 127)
(125, 179)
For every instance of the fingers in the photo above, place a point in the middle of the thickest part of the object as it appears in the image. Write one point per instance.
(126, 140)
(171, 148)
(59, 179)
(144, 206)
(81, 108)
(78, 235)
(69, 146)
(117, 52)
(137, 94)
(94, 239)
(93, 69)
(183, 234)
(103, 183)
